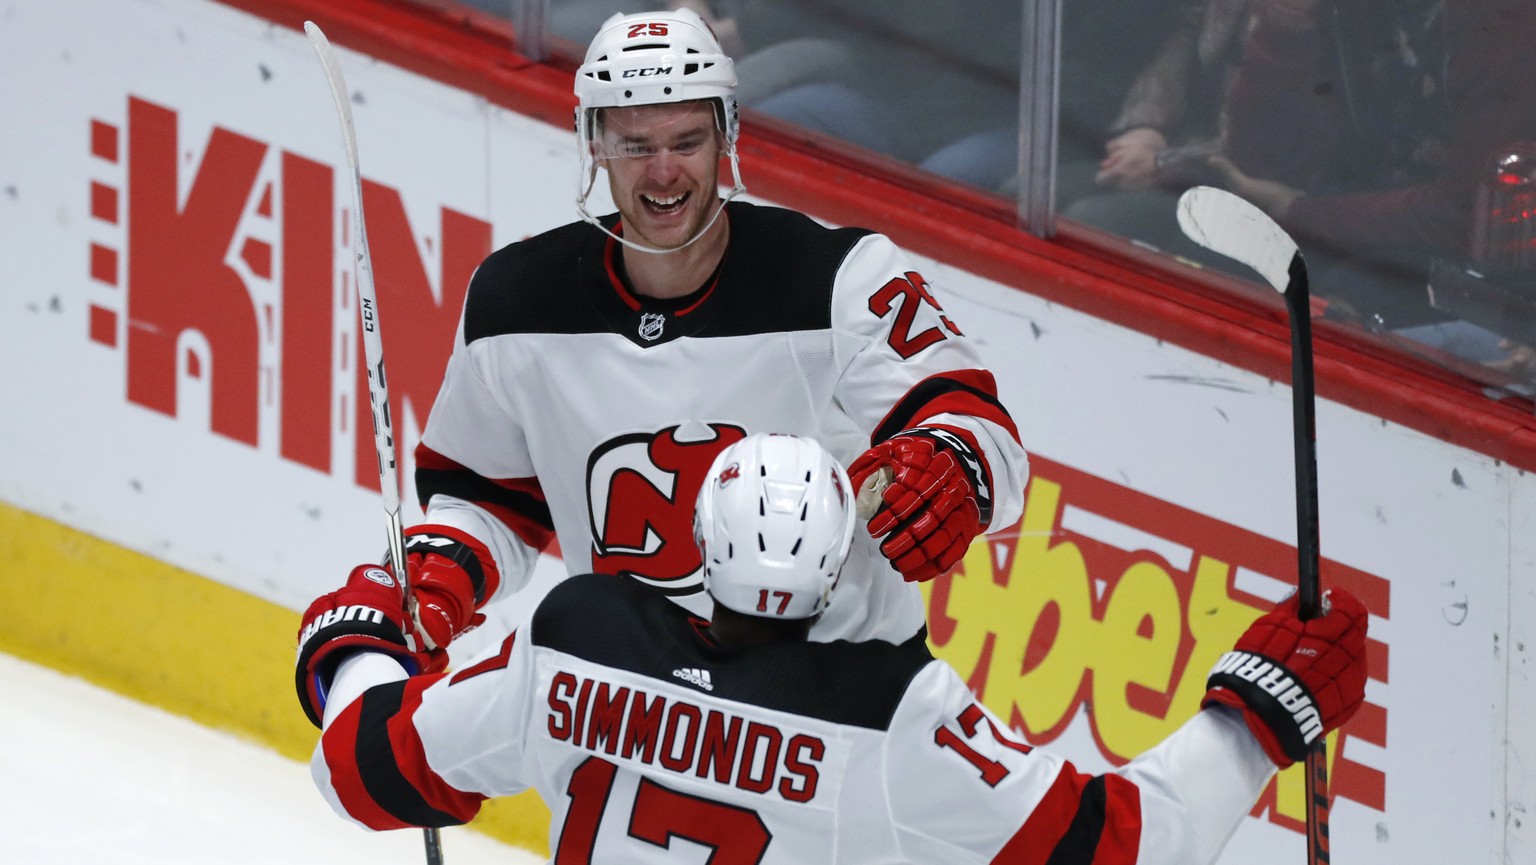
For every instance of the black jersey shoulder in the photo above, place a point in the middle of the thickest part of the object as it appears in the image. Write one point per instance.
(777, 276)
(620, 623)
(779, 271)
(531, 285)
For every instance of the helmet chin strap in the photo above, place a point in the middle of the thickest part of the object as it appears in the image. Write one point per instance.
(581, 208)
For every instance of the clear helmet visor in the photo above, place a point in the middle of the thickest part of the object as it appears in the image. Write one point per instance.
(684, 129)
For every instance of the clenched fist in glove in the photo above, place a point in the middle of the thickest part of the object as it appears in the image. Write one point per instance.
(1295, 681)
(452, 575)
(366, 614)
(938, 500)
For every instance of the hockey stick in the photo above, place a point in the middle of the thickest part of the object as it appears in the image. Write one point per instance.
(1230, 225)
(373, 344)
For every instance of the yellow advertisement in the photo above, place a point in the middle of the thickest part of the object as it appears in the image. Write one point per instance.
(1110, 604)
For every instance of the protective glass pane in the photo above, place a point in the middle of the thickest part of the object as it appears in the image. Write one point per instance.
(1391, 138)
(926, 86)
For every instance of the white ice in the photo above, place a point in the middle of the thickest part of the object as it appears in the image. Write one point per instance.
(88, 777)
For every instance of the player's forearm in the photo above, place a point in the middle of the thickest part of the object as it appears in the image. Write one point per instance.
(356, 675)
(1197, 786)
(367, 764)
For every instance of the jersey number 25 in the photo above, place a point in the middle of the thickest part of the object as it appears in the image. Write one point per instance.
(910, 292)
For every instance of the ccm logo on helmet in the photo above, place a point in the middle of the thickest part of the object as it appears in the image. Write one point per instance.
(647, 72)
(649, 28)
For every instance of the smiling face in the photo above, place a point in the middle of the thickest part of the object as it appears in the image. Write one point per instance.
(663, 166)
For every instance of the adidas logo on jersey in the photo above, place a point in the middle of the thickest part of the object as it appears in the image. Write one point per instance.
(696, 676)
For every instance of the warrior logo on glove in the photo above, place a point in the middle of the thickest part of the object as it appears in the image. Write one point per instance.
(1295, 680)
(366, 614)
(1245, 669)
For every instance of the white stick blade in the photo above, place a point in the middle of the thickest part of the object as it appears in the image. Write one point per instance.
(1235, 227)
(362, 270)
(338, 84)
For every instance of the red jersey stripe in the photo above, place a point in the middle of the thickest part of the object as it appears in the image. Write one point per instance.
(412, 760)
(339, 745)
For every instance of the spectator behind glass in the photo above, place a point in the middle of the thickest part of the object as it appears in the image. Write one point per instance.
(1168, 118)
(1105, 44)
(1169, 123)
(1380, 175)
(1363, 128)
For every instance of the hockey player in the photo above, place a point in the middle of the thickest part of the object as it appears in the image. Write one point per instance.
(600, 367)
(655, 736)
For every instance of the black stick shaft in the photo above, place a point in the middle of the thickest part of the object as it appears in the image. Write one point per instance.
(1304, 413)
(1309, 594)
(434, 847)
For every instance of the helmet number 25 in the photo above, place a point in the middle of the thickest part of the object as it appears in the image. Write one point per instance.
(906, 295)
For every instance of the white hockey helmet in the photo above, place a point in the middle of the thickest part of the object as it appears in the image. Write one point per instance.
(774, 523)
(653, 58)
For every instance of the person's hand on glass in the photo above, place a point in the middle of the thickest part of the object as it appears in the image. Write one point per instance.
(1518, 362)
(1130, 159)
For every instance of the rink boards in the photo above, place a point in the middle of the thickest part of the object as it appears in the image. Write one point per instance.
(190, 460)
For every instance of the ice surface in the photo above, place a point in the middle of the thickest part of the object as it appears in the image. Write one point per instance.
(88, 777)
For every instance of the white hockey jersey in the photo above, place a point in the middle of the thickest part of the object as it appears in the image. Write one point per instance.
(573, 407)
(650, 744)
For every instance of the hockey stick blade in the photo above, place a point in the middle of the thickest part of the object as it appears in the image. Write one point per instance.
(1234, 227)
(368, 305)
(373, 344)
(327, 55)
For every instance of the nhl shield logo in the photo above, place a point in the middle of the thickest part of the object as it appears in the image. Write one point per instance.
(651, 324)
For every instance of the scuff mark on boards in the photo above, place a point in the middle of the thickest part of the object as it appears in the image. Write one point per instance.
(1201, 381)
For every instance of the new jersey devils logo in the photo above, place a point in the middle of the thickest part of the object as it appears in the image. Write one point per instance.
(641, 489)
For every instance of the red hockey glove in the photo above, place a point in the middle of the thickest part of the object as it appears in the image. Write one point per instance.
(1295, 681)
(366, 614)
(938, 500)
(452, 576)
